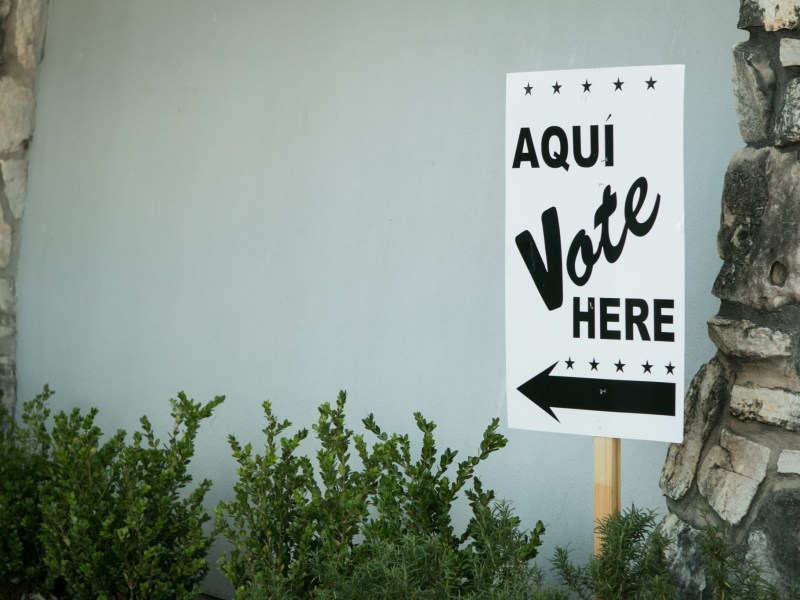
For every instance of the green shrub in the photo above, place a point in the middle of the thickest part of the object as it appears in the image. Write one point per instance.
(118, 520)
(350, 530)
(115, 520)
(629, 566)
(730, 575)
(428, 567)
(24, 470)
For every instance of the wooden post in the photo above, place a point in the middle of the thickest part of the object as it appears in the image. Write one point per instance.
(606, 481)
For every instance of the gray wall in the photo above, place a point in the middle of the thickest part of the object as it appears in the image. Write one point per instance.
(281, 199)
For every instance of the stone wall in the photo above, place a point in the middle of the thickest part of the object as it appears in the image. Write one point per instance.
(739, 463)
(22, 26)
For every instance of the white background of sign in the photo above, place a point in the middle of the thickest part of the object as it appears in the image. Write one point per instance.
(648, 141)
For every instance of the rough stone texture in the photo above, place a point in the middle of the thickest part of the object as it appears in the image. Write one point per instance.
(787, 123)
(754, 85)
(28, 33)
(772, 15)
(8, 324)
(728, 493)
(758, 553)
(744, 338)
(744, 198)
(5, 242)
(789, 462)
(22, 26)
(6, 297)
(7, 310)
(707, 393)
(790, 52)
(778, 517)
(16, 114)
(747, 458)
(682, 555)
(758, 232)
(730, 475)
(8, 378)
(777, 407)
(15, 178)
(751, 478)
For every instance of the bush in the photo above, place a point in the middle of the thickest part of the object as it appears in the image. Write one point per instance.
(497, 560)
(24, 470)
(730, 575)
(630, 564)
(118, 522)
(112, 520)
(346, 531)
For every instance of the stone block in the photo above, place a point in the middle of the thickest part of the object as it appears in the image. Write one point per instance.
(16, 114)
(6, 297)
(728, 493)
(746, 457)
(706, 394)
(787, 121)
(5, 242)
(790, 52)
(15, 180)
(28, 32)
(730, 475)
(8, 381)
(753, 88)
(772, 15)
(8, 324)
(758, 554)
(745, 339)
(744, 197)
(758, 238)
(777, 536)
(789, 462)
(682, 555)
(772, 406)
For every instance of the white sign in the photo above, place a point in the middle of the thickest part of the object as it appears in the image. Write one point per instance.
(594, 252)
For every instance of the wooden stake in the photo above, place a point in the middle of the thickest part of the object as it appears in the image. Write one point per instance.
(606, 481)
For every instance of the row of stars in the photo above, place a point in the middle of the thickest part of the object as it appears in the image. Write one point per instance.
(646, 367)
(587, 87)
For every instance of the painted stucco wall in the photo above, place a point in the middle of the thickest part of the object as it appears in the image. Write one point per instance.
(282, 199)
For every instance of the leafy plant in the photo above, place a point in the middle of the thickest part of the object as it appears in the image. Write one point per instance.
(349, 530)
(267, 520)
(730, 575)
(24, 470)
(428, 567)
(497, 552)
(630, 564)
(118, 520)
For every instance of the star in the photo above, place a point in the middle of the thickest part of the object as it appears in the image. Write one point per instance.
(528, 89)
(647, 366)
(570, 362)
(586, 86)
(556, 88)
(670, 368)
(619, 364)
(651, 83)
(594, 364)
(617, 85)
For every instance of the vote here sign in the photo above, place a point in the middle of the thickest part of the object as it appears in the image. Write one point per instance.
(595, 251)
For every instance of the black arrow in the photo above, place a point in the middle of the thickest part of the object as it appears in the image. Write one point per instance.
(608, 395)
